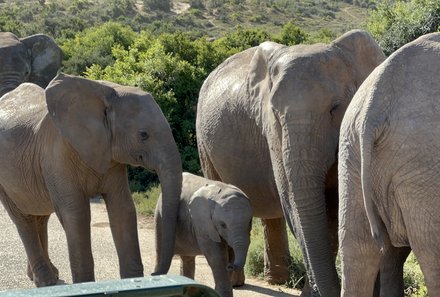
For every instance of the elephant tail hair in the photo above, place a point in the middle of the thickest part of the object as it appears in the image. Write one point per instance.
(366, 148)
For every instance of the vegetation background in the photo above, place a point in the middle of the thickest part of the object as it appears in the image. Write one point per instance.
(168, 47)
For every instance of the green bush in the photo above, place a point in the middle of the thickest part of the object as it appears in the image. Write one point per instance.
(94, 46)
(255, 258)
(395, 23)
(145, 202)
(413, 278)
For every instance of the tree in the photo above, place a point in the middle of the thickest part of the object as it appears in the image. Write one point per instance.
(395, 23)
(94, 46)
(291, 34)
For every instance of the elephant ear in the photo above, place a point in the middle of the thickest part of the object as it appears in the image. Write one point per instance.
(260, 81)
(46, 58)
(79, 109)
(201, 208)
(363, 50)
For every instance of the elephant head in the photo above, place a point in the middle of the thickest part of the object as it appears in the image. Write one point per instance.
(35, 59)
(304, 91)
(107, 124)
(223, 214)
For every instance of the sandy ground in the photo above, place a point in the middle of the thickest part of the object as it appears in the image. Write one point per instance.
(13, 258)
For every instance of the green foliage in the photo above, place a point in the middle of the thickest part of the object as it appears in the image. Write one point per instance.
(323, 36)
(94, 46)
(395, 23)
(241, 39)
(145, 202)
(255, 258)
(291, 34)
(413, 278)
(140, 179)
(63, 18)
(164, 5)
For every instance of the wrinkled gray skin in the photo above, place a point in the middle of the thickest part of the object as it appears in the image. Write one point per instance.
(389, 169)
(35, 58)
(268, 122)
(54, 158)
(215, 221)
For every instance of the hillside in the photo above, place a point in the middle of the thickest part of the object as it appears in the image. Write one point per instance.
(62, 18)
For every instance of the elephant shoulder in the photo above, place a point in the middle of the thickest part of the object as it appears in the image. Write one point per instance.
(24, 105)
(226, 76)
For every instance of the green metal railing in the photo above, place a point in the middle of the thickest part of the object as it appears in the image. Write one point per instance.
(154, 286)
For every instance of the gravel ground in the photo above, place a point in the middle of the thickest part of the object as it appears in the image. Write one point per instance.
(13, 258)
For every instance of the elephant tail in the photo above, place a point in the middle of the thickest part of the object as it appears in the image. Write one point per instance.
(367, 140)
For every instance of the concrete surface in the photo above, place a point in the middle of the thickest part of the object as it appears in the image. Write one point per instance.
(13, 257)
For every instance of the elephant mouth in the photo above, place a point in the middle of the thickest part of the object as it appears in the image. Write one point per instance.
(141, 159)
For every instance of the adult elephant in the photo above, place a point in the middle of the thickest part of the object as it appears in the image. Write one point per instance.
(70, 142)
(268, 122)
(35, 58)
(389, 168)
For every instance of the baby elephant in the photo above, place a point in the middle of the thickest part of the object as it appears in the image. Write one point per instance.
(215, 221)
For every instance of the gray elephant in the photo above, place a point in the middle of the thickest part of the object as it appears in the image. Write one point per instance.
(65, 144)
(389, 168)
(268, 122)
(214, 220)
(35, 58)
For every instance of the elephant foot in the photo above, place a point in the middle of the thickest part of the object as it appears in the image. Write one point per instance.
(306, 292)
(279, 277)
(45, 277)
(237, 278)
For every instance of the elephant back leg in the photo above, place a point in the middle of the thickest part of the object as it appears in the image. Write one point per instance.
(420, 212)
(41, 226)
(276, 251)
(187, 266)
(390, 278)
(27, 227)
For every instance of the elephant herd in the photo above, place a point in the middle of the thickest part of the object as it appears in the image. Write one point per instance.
(338, 140)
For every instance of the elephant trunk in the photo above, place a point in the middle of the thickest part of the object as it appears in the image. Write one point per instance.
(240, 245)
(306, 158)
(9, 81)
(170, 176)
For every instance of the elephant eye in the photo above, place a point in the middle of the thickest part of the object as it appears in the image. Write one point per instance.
(223, 225)
(143, 135)
(334, 108)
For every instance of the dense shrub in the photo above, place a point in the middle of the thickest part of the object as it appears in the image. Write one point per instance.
(395, 23)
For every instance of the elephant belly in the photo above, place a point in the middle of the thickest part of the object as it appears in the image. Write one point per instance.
(253, 175)
(28, 203)
(24, 192)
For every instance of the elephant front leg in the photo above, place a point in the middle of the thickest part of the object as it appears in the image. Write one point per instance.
(123, 224)
(74, 215)
(217, 256)
(276, 251)
(187, 266)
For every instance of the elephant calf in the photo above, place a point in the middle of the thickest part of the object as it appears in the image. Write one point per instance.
(215, 221)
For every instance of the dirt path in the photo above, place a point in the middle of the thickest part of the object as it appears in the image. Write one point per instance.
(13, 259)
